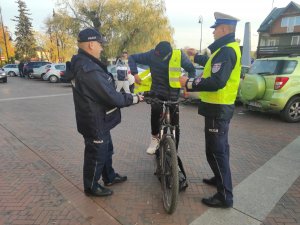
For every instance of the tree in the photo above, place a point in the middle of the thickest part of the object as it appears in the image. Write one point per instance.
(132, 25)
(25, 42)
(7, 44)
(61, 31)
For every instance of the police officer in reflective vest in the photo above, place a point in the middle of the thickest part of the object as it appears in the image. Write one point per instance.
(165, 67)
(218, 90)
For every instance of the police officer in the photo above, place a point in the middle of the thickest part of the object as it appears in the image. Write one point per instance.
(218, 89)
(97, 110)
(165, 67)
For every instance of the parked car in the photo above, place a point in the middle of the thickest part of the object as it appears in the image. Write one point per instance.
(113, 70)
(194, 96)
(54, 73)
(28, 67)
(40, 71)
(11, 70)
(273, 85)
(3, 76)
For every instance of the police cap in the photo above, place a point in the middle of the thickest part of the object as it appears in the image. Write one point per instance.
(222, 18)
(90, 34)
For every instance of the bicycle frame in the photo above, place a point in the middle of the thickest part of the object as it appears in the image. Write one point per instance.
(167, 164)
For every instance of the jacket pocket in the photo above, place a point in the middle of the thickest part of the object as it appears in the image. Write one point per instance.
(112, 118)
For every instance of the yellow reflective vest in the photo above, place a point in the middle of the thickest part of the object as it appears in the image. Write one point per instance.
(226, 95)
(174, 74)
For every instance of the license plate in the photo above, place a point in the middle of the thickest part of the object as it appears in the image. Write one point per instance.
(255, 104)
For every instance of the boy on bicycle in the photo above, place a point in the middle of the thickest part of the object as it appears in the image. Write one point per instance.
(165, 67)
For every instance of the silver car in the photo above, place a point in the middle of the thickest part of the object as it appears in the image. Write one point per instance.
(3, 76)
(41, 71)
(11, 69)
(54, 73)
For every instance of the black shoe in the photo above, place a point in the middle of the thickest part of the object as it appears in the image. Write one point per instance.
(215, 202)
(99, 192)
(118, 179)
(212, 181)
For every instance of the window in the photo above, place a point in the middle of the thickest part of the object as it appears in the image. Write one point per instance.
(267, 67)
(284, 22)
(272, 42)
(289, 67)
(290, 21)
(295, 40)
(262, 42)
(60, 67)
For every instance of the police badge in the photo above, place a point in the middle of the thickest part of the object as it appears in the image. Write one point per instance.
(216, 67)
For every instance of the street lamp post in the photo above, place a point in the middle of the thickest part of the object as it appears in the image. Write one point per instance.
(200, 21)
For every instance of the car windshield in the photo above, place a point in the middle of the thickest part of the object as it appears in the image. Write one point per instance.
(271, 67)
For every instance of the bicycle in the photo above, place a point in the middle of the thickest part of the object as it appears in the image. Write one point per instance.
(167, 163)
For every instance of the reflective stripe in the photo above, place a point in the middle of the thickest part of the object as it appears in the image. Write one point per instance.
(173, 79)
(220, 176)
(175, 69)
(190, 83)
(94, 175)
(110, 111)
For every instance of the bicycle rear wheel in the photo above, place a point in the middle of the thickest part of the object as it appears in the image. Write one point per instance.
(169, 174)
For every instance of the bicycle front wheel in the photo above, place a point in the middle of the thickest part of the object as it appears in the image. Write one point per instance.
(169, 174)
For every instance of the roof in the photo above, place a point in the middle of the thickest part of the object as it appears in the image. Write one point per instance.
(275, 14)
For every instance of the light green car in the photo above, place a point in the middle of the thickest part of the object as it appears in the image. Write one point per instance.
(273, 84)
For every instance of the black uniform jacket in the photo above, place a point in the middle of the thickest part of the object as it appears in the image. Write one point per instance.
(96, 100)
(226, 58)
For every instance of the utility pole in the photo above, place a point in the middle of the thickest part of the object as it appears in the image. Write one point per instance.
(4, 34)
(200, 21)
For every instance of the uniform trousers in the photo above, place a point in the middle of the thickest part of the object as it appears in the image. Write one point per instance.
(98, 161)
(217, 154)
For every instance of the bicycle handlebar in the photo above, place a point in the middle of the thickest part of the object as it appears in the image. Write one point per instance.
(150, 100)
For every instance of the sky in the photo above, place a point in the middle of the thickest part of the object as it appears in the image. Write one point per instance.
(183, 16)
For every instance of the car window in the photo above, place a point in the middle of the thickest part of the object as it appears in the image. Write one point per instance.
(60, 67)
(199, 71)
(271, 67)
(289, 67)
(263, 67)
(113, 70)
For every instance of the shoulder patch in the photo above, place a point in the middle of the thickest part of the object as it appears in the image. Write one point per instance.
(216, 67)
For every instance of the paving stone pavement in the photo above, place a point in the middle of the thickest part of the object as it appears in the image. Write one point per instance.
(42, 154)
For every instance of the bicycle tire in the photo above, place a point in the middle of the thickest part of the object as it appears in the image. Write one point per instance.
(169, 174)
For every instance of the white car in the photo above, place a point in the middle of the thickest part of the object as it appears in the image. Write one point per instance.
(54, 73)
(40, 71)
(11, 69)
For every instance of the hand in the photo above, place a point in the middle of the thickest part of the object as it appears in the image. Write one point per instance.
(183, 80)
(141, 98)
(191, 51)
(137, 78)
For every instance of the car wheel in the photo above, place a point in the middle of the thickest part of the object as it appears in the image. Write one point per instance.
(11, 74)
(30, 76)
(291, 112)
(42, 76)
(4, 80)
(53, 79)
